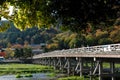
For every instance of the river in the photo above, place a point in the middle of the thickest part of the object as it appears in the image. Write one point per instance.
(37, 76)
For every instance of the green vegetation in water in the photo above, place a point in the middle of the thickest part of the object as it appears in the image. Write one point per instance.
(72, 78)
(23, 69)
(18, 76)
(51, 74)
(28, 75)
(25, 75)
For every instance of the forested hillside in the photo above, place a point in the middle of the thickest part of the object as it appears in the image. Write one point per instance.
(31, 35)
(91, 22)
(61, 40)
(93, 37)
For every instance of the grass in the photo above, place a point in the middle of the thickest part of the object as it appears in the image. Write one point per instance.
(23, 69)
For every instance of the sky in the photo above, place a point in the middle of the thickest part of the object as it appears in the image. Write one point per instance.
(10, 13)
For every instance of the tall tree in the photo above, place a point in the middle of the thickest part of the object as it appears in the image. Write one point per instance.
(71, 14)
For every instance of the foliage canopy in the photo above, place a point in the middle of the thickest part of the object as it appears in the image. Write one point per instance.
(70, 14)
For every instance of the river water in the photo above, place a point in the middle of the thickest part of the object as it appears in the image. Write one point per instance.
(37, 76)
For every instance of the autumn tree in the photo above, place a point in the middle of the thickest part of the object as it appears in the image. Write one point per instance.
(115, 34)
(9, 53)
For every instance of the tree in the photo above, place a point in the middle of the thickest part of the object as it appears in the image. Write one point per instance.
(105, 41)
(19, 53)
(76, 40)
(115, 34)
(90, 40)
(9, 53)
(19, 40)
(23, 53)
(73, 15)
(27, 53)
(101, 34)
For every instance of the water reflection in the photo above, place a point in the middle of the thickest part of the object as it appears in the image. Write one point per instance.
(38, 76)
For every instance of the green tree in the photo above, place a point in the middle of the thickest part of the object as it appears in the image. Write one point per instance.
(19, 40)
(90, 40)
(23, 53)
(27, 53)
(104, 41)
(19, 53)
(73, 15)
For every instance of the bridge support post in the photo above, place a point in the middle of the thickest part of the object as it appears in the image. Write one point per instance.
(81, 66)
(68, 67)
(91, 70)
(54, 63)
(59, 63)
(100, 70)
(50, 61)
(112, 67)
(42, 61)
(39, 61)
(46, 61)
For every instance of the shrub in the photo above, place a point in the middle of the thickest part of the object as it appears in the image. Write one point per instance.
(28, 75)
(18, 76)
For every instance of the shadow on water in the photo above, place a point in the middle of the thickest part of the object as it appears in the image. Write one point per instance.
(37, 76)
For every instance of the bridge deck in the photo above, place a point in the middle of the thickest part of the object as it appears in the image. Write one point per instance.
(108, 54)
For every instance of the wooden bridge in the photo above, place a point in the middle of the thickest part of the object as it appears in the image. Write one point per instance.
(85, 61)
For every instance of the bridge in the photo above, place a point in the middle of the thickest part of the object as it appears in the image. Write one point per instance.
(84, 61)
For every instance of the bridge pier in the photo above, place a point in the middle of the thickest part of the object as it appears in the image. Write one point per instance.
(54, 63)
(81, 67)
(67, 65)
(112, 68)
(91, 69)
(59, 63)
(100, 69)
(94, 68)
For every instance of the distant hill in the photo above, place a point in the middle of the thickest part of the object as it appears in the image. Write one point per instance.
(31, 35)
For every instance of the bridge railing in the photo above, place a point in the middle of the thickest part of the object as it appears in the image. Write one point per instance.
(101, 48)
(107, 49)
